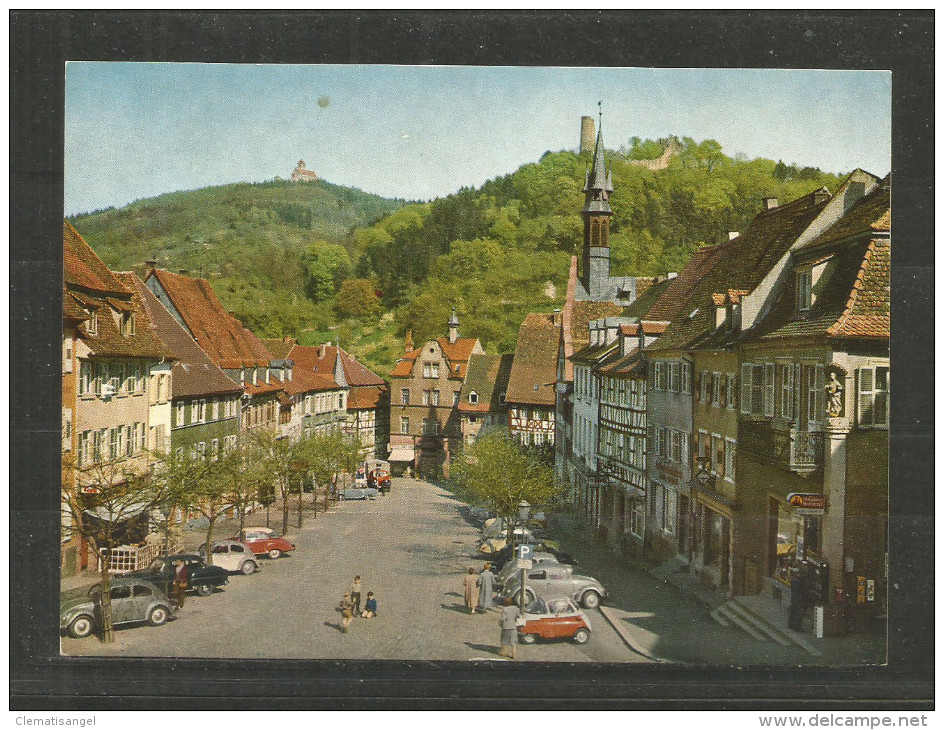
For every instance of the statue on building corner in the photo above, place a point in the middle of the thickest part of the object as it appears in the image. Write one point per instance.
(834, 395)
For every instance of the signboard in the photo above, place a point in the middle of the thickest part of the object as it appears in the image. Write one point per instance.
(807, 504)
(525, 564)
(860, 589)
(524, 552)
(89, 490)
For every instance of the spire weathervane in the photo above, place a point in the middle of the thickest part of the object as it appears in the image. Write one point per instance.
(600, 112)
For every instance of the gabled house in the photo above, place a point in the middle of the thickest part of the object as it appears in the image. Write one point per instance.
(425, 386)
(205, 403)
(531, 389)
(233, 348)
(482, 399)
(118, 364)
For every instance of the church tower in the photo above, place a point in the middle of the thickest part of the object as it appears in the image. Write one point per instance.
(596, 223)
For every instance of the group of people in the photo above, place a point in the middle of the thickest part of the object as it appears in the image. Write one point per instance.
(480, 594)
(485, 583)
(351, 605)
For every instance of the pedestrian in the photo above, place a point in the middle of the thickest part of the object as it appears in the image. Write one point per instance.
(470, 583)
(347, 612)
(486, 583)
(370, 607)
(180, 583)
(356, 594)
(508, 621)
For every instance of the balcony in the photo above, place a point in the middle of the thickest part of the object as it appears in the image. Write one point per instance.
(784, 444)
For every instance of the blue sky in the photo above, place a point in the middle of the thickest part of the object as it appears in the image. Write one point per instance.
(135, 130)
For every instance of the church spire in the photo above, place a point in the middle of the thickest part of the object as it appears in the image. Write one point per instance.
(599, 180)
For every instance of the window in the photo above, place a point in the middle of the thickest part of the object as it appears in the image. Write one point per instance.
(473, 397)
(658, 378)
(704, 386)
(67, 429)
(635, 518)
(113, 443)
(215, 448)
(873, 396)
(675, 379)
(804, 291)
(91, 324)
(768, 389)
(716, 389)
(129, 440)
(85, 448)
(179, 413)
(431, 370)
(787, 391)
(704, 445)
(729, 445)
(430, 427)
(427, 397)
(404, 396)
(686, 378)
(404, 424)
(201, 449)
(668, 510)
(127, 324)
(717, 455)
(815, 406)
(729, 390)
(435, 398)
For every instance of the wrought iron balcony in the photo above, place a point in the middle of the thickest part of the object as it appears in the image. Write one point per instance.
(787, 446)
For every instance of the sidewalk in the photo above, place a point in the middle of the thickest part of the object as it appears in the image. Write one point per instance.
(664, 613)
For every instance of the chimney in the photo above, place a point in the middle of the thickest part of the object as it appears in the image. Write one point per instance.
(151, 265)
(322, 351)
(671, 275)
(556, 317)
(769, 203)
(408, 343)
(733, 234)
(453, 327)
(820, 196)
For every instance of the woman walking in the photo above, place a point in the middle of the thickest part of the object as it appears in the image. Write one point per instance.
(469, 584)
(486, 583)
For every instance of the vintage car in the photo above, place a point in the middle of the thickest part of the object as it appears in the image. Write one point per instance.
(263, 541)
(494, 545)
(379, 479)
(510, 567)
(132, 600)
(359, 493)
(201, 577)
(235, 556)
(500, 559)
(552, 581)
(553, 618)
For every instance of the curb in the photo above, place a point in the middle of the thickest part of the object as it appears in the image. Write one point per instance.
(624, 635)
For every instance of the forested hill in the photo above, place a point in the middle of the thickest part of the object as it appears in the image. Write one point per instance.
(254, 241)
(310, 259)
(503, 250)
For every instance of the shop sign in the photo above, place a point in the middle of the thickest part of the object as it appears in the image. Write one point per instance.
(89, 490)
(807, 504)
(860, 589)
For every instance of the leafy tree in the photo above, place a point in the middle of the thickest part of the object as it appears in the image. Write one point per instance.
(107, 504)
(328, 265)
(500, 474)
(357, 298)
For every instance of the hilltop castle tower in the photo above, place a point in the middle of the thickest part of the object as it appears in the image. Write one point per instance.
(301, 174)
(586, 134)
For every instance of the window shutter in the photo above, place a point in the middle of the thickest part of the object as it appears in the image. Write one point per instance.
(866, 396)
(881, 396)
(746, 388)
(769, 373)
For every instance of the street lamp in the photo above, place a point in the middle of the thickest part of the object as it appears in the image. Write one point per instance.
(524, 511)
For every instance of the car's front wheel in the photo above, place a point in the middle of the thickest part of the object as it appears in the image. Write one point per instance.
(528, 597)
(249, 567)
(275, 553)
(158, 616)
(582, 636)
(590, 599)
(81, 627)
(528, 638)
(204, 589)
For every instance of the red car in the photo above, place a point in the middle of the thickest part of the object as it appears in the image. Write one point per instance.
(263, 541)
(556, 618)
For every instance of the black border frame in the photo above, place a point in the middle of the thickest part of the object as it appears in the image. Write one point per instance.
(41, 42)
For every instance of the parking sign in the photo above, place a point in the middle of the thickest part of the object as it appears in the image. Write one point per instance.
(524, 552)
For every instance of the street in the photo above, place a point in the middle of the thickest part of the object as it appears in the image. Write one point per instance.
(411, 548)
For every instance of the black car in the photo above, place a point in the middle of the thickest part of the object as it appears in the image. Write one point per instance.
(499, 559)
(201, 577)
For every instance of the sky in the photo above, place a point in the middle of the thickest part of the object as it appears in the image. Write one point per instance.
(136, 130)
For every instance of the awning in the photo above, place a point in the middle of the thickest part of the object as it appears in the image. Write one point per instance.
(117, 513)
(401, 453)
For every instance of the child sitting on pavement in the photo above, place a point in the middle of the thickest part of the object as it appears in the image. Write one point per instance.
(370, 607)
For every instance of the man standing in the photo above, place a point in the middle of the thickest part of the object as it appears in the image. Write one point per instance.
(486, 587)
(509, 629)
(180, 583)
(356, 594)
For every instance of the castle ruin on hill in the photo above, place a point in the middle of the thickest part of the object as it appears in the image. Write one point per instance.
(301, 174)
(588, 140)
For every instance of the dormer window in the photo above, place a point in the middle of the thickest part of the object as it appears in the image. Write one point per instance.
(473, 397)
(804, 290)
(91, 324)
(127, 324)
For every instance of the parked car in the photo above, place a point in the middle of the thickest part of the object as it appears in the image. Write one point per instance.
(379, 479)
(201, 577)
(510, 566)
(263, 541)
(478, 514)
(235, 556)
(554, 618)
(359, 493)
(554, 581)
(132, 600)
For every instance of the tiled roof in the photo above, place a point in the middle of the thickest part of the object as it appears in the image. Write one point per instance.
(222, 336)
(193, 373)
(679, 289)
(306, 381)
(535, 361)
(742, 264)
(646, 298)
(82, 266)
(488, 377)
(279, 346)
(593, 354)
(867, 312)
(365, 397)
(631, 365)
(871, 213)
(587, 312)
(262, 388)
(457, 354)
(355, 373)
(71, 309)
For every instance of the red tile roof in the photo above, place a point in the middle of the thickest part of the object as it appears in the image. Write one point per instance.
(355, 372)
(365, 397)
(279, 346)
(306, 381)
(680, 289)
(535, 361)
(457, 354)
(83, 267)
(867, 313)
(222, 336)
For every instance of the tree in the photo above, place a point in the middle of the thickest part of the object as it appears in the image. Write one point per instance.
(326, 455)
(277, 457)
(357, 298)
(498, 472)
(107, 504)
(327, 266)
